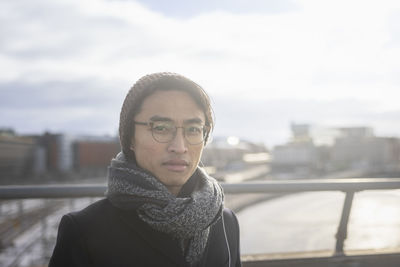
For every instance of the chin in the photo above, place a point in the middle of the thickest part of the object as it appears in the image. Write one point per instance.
(177, 181)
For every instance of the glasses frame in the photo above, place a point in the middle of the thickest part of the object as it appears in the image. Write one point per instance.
(150, 125)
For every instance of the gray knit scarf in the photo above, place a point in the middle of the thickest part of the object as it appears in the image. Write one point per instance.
(186, 218)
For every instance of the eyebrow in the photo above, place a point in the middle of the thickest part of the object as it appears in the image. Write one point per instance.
(160, 118)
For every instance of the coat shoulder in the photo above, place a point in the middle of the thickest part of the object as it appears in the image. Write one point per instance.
(91, 213)
(71, 248)
(230, 216)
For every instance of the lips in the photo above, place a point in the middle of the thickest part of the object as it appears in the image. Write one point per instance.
(176, 165)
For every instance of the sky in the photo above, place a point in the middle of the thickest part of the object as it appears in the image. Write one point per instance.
(67, 65)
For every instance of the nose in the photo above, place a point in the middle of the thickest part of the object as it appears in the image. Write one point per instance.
(178, 144)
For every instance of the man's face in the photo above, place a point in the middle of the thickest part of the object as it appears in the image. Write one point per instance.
(173, 162)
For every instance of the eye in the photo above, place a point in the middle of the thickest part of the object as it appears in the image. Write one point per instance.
(162, 128)
(194, 130)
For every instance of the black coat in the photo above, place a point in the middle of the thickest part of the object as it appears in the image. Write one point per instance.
(102, 235)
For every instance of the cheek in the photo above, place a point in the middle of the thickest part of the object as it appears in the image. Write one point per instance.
(144, 152)
(196, 153)
(142, 146)
(147, 154)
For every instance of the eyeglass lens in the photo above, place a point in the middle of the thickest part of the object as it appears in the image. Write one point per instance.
(164, 132)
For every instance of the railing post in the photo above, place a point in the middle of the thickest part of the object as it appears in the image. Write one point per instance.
(341, 234)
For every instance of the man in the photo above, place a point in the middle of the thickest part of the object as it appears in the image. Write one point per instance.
(161, 209)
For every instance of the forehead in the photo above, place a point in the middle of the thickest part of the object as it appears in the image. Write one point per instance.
(175, 105)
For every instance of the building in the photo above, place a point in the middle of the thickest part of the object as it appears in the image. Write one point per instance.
(337, 149)
(93, 155)
(358, 148)
(54, 156)
(231, 154)
(299, 154)
(16, 156)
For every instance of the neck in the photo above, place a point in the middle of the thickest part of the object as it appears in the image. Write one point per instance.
(174, 189)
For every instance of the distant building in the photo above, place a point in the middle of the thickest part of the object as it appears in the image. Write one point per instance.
(80, 155)
(298, 154)
(16, 155)
(59, 152)
(231, 153)
(344, 148)
(92, 156)
(57, 156)
(294, 154)
(358, 148)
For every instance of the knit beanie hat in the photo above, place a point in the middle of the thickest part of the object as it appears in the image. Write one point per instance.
(146, 86)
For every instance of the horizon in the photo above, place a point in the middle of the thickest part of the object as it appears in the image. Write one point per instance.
(319, 134)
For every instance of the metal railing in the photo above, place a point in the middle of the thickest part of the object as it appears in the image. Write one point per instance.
(348, 185)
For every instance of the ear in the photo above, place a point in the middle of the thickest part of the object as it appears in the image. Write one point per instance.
(132, 146)
(209, 139)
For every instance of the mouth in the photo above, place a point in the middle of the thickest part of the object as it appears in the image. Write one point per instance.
(176, 165)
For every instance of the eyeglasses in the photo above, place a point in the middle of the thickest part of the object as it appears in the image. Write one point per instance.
(165, 131)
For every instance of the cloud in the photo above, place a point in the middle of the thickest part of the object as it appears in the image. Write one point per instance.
(71, 107)
(281, 58)
(187, 9)
(60, 94)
